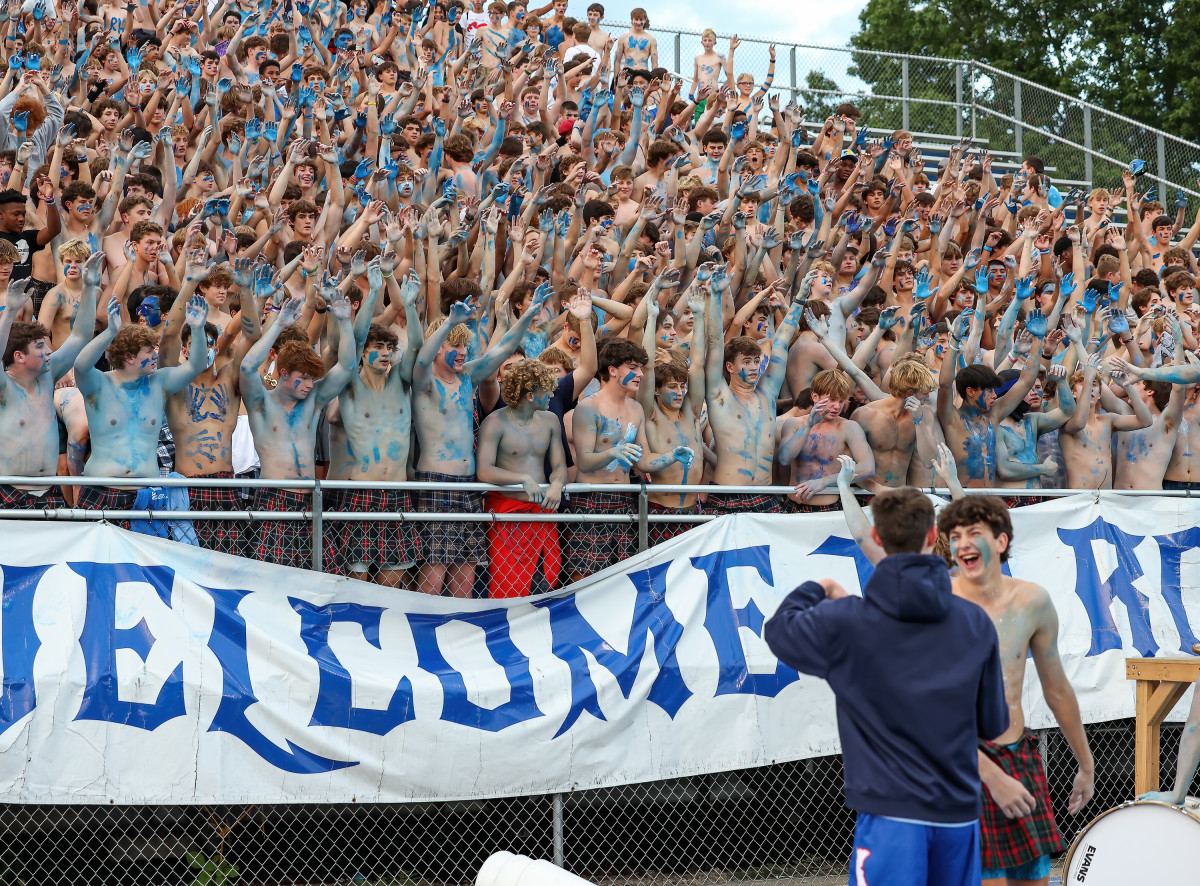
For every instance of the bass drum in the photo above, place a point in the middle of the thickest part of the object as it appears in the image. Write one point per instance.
(1143, 841)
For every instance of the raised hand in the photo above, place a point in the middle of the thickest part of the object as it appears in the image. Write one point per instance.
(1036, 324)
(197, 312)
(339, 306)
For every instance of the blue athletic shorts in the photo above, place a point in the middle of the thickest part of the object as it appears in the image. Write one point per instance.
(1031, 870)
(889, 852)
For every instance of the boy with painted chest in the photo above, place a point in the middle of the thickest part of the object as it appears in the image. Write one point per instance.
(1017, 829)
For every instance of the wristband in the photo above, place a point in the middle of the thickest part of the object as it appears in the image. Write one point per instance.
(388, 275)
(49, 201)
(303, 274)
(321, 310)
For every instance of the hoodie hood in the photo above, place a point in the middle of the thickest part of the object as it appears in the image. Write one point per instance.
(911, 587)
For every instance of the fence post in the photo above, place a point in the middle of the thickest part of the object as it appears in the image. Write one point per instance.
(317, 507)
(972, 70)
(1087, 144)
(792, 62)
(958, 100)
(1018, 136)
(679, 70)
(643, 512)
(557, 828)
(1162, 168)
(904, 93)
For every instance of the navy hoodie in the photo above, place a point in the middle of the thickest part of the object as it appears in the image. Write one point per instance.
(918, 681)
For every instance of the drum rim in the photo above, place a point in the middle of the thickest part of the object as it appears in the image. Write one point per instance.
(1069, 855)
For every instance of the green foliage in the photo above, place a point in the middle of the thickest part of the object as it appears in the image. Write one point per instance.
(213, 871)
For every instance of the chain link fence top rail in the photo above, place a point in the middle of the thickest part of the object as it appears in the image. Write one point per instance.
(953, 98)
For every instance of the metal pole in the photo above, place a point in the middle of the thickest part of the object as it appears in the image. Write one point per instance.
(1162, 169)
(1087, 144)
(679, 70)
(958, 100)
(643, 523)
(972, 100)
(904, 93)
(792, 59)
(317, 507)
(557, 827)
(1018, 140)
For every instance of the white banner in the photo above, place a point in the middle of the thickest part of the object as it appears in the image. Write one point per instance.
(143, 671)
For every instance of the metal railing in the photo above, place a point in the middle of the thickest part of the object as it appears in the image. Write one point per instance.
(956, 98)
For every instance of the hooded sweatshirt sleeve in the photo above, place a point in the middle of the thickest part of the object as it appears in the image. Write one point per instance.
(991, 707)
(801, 632)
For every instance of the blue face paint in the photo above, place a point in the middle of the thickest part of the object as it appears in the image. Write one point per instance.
(542, 401)
(451, 357)
(939, 349)
(149, 310)
(985, 550)
(372, 357)
(212, 356)
(629, 377)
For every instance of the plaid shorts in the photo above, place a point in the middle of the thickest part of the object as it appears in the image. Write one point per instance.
(1012, 842)
(108, 498)
(388, 544)
(1020, 501)
(657, 533)
(590, 547)
(15, 499)
(222, 536)
(450, 543)
(742, 503)
(286, 542)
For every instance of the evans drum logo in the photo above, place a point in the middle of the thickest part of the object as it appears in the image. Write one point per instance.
(1087, 863)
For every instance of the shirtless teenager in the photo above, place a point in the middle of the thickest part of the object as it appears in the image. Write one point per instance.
(1017, 465)
(673, 402)
(812, 444)
(283, 422)
(60, 307)
(609, 433)
(370, 427)
(971, 429)
(444, 384)
(125, 405)
(1086, 438)
(1183, 469)
(741, 404)
(1017, 829)
(29, 441)
(892, 424)
(635, 48)
(202, 417)
(514, 444)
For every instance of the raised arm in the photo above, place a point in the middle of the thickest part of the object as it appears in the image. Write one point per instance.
(176, 378)
(84, 323)
(87, 376)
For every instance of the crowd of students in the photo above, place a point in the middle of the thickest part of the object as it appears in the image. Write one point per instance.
(375, 242)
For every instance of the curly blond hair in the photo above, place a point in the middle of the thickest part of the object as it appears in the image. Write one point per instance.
(527, 377)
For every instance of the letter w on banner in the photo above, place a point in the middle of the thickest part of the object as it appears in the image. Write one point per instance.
(138, 670)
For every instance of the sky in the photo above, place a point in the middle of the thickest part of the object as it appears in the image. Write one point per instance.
(838, 19)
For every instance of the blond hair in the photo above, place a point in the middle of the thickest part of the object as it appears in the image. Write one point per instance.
(75, 250)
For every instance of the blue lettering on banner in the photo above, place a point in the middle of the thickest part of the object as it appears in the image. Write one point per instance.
(724, 623)
(838, 546)
(101, 639)
(456, 707)
(1097, 596)
(335, 706)
(20, 643)
(1170, 552)
(228, 643)
(571, 636)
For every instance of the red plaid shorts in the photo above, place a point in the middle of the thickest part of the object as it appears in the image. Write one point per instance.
(1011, 842)
(742, 503)
(390, 544)
(590, 547)
(223, 536)
(108, 498)
(14, 499)
(286, 542)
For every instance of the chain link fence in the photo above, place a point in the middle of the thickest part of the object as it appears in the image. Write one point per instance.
(786, 821)
(954, 98)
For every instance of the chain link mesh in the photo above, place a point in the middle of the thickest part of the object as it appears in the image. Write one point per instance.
(784, 821)
(1081, 144)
